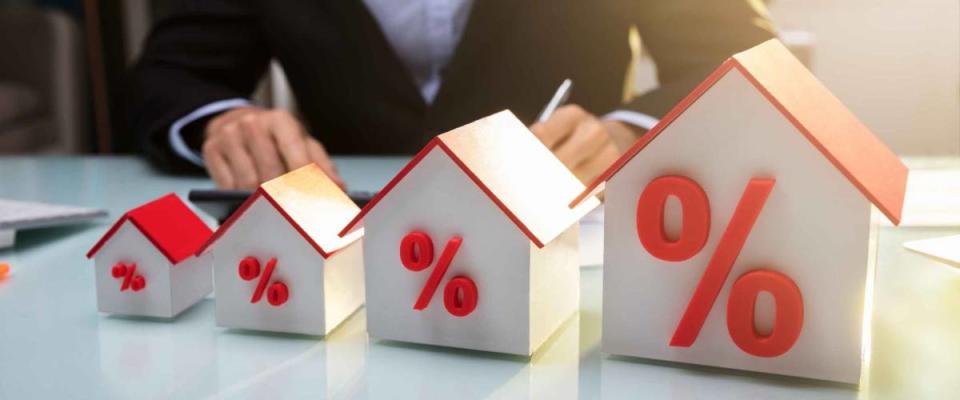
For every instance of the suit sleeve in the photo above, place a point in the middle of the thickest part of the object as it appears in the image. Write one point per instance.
(203, 52)
(688, 39)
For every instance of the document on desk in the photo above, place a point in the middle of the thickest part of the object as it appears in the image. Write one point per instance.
(943, 249)
(19, 215)
(591, 238)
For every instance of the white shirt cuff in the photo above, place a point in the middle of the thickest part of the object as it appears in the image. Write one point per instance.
(176, 139)
(634, 118)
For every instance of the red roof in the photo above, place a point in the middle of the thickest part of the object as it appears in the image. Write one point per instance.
(517, 172)
(829, 126)
(168, 223)
(311, 202)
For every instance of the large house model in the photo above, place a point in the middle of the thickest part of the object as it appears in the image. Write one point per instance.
(777, 286)
(145, 263)
(472, 244)
(279, 263)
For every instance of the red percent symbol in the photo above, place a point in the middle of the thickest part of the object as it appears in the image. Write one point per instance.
(743, 295)
(460, 293)
(277, 292)
(128, 273)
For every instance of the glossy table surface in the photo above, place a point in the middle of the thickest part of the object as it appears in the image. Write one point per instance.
(54, 344)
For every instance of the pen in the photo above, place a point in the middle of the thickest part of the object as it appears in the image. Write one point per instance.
(559, 97)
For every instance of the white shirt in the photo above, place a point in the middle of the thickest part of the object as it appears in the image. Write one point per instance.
(424, 35)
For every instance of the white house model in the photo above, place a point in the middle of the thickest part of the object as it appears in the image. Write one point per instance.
(145, 263)
(737, 230)
(279, 263)
(472, 244)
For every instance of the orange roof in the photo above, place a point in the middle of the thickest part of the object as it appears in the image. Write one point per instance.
(168, 223)
(311, 202)
(829, 126)
(517, 172)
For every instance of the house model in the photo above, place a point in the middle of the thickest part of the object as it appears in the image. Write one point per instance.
(472, 244)
(737, 230)
(279, 263)
(145, 263)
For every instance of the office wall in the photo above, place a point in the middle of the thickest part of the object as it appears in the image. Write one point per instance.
(895, 63)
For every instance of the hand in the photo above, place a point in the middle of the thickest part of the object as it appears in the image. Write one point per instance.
(585, 144)
(246, 146)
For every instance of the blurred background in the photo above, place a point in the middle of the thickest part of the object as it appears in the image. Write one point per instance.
(895, 63)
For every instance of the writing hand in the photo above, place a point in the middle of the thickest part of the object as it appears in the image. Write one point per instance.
(585, 144)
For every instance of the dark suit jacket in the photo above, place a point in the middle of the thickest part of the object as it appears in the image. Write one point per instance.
(355, 95)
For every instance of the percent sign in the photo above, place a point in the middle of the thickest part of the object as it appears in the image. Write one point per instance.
(128, 272)
(277, 292)
(743, 295)
(460, 293)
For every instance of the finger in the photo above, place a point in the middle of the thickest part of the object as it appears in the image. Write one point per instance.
(560, 125)
(318, 154)
(227, 117)
(262, 148)
(290, 138)
(591, 168)
(241, 164)
(538, 130)
(217, 166)
(587, 139)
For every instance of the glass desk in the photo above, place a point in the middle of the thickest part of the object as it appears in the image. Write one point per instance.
(54, 344)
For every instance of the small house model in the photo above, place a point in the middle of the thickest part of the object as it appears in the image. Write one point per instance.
(145, 263)
(279, 263)
(472, 244)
